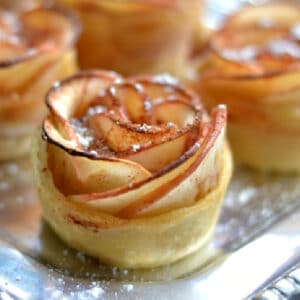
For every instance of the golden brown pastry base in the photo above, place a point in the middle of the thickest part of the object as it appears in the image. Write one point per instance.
(53, 252)
(263, 149)
(131, 243)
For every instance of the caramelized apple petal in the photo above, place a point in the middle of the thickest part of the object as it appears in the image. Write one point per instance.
(81, 175)
(136, 104)
(154, 158)
(124, 136)
(72, 97)
(175, 112)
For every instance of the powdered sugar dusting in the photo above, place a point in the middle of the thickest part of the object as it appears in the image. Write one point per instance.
(82, 133)
(165, 79)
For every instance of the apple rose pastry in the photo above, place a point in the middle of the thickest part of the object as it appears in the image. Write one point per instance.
(254, 67)
(36, 48)
(136, 36)
(131, 171)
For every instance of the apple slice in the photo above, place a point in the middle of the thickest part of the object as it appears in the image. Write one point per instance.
(154, 157)
(72, 97)
(120, 136)
(133, 100)
(75, 174)
(175, 112)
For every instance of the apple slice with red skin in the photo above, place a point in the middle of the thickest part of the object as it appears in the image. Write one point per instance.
(120, 136)
(79, 174)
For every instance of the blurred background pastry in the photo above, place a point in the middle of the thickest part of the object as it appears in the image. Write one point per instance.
(36, 49)
(132, 37)
(253, 65)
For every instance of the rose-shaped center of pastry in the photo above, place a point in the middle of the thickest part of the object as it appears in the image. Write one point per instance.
(112, 136)
(132, 119)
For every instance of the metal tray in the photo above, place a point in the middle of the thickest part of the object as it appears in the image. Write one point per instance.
(247, 251)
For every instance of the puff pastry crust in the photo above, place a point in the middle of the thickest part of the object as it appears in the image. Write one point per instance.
(253, 66)
(131, 171)
(36, 50)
